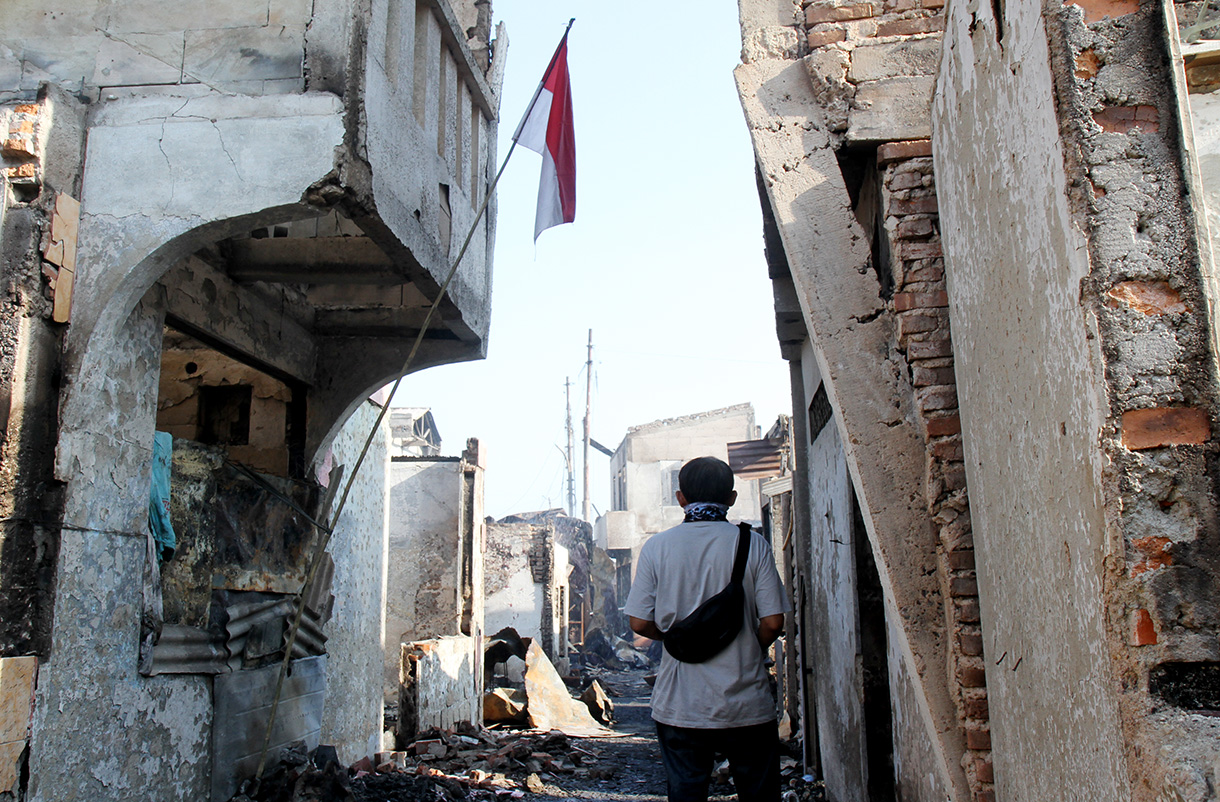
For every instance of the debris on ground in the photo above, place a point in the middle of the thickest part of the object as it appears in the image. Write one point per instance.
(504, 705)
(598, 702)
(550, 705)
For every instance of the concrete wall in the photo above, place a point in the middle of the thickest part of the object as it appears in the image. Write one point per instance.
(836, 640)
(352, 718)
(161, 750)
(1031, 362)
(441, 684)
(829, 256)
(525, 575)
(424, 578)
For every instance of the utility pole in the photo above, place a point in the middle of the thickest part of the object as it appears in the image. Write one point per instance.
(571, 452)
(588, 418)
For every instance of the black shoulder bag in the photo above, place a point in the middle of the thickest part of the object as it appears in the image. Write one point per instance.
(714, 624)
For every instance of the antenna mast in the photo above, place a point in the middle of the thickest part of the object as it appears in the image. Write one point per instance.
(588, 418)
(570, 454)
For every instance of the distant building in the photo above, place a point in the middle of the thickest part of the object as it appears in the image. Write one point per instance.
(413, 433)
(644, 478)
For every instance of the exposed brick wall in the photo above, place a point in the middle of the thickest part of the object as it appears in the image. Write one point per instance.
(1119, 115)
(829, 21)
(920, 304)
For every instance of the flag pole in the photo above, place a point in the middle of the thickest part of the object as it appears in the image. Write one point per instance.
(326, 533)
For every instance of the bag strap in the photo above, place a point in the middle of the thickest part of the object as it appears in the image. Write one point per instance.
(743, 552)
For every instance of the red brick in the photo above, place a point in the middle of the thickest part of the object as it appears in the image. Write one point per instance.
(1097, 10)
(968, 611)
(943, 426)
(1087, 64)
(983, 770)
(26, 108)
(817, 39)
(949, 449)
(1149, 297)
(908, 180)
(919, 205)
(972, 677)
(830, 13)
(929, 349)
(1143, 631)
(978, 738)
(904, 301)
(919, 250)
(914, 227)
(928, 377)
(1165, 426)
(931, 398)
(908, 149)
(977, 708)
(955, 476)
(1122, 119)
(916, 324)
(1155, 554)
(908, 27)
(972, 645)
(963, 586)
(962, 560)
(985, 795)
(932, 4)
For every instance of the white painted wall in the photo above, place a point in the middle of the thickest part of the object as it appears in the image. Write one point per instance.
(1032, 401)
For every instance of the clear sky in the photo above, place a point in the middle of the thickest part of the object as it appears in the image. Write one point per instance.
(664, 262)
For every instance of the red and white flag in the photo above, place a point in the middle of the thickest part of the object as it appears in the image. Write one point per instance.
(547, 129)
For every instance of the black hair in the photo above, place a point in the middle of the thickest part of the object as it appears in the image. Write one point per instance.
(706, 479)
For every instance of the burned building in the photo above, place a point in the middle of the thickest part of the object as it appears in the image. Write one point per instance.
(987, 229)
(226, 222)
(644, 478)
(434, 591)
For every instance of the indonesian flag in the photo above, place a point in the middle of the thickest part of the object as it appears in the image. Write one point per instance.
(547, 129)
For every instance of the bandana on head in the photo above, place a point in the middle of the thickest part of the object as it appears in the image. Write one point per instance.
(706, 511)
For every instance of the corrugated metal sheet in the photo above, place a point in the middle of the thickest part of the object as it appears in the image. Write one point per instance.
(255, 630)
(756, 459)
(777, 487)
(188, 650)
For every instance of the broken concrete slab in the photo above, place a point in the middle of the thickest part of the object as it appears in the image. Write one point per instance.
(504, 705)
(551, 707)
(598, 702)
(893, 109)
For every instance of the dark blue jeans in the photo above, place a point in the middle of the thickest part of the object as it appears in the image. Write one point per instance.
(752, 752)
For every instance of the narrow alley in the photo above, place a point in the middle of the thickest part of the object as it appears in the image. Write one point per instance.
(870, 407)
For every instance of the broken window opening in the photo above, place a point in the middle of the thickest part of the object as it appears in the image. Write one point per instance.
(224, 414)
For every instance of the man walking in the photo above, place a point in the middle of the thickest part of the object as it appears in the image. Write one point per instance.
(724, 704)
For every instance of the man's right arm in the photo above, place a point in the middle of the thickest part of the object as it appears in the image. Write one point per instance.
(646, 628)
(770, 627)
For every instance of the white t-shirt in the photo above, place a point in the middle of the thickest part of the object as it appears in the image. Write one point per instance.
(678, 570)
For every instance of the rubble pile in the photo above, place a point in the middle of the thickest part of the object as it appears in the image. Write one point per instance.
(499, 761)
(438, 766)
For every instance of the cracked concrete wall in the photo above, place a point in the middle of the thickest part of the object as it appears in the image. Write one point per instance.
(160, 748)
(423, 596)
(353, 713)
(97, 48)
(855, 346)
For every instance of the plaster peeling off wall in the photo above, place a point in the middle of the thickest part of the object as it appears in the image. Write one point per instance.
(114, 735)
(512, 597)
(352, 718)
(1030, 396)
(424, 580)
